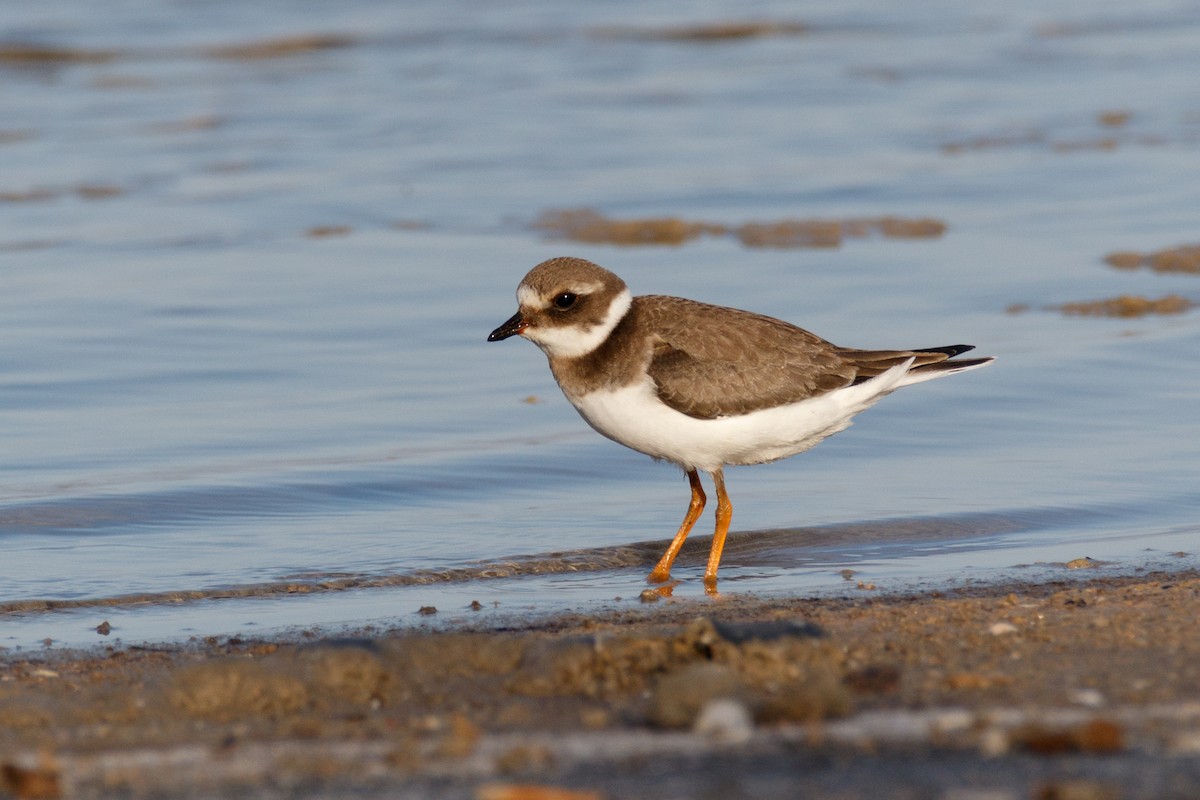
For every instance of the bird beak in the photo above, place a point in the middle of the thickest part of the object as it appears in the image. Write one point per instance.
(514, 325)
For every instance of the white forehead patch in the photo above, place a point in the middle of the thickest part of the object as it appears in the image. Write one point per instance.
(572, 341)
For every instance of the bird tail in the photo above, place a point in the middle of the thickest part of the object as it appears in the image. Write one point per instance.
(927, 363)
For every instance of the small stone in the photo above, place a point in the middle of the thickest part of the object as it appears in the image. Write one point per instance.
(427, 611)
(1002, 628)
(1089, 698)
(725, 720)
(1185, 744)
(475, 605)
(993, 742)
(649, 596)
(104, 629)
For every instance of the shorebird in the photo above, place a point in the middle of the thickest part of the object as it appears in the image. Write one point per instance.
(699, 385)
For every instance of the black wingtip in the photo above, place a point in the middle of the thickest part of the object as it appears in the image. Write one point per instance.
(951, 350)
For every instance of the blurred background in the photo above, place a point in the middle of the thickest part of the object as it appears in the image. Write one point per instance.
(250, 251)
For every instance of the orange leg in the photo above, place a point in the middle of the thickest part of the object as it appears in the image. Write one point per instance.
(662, 571)
(724, 515)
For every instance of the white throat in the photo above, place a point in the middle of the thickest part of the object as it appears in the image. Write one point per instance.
(572, 341)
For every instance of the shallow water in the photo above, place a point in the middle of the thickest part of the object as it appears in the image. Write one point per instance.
(244, 299)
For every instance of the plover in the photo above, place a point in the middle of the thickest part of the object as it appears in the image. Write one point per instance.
(700, 385)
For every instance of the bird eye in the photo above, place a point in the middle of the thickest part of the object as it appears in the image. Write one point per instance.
(565, 301)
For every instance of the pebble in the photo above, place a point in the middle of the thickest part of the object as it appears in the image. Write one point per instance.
(725, 720)
(1089, 698)
(1185, 744)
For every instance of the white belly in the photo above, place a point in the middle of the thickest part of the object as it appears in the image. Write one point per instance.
(635, 417)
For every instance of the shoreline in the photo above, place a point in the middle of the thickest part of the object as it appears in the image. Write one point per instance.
(1088, 687)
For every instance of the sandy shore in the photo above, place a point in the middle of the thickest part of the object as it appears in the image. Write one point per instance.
(1086, 690)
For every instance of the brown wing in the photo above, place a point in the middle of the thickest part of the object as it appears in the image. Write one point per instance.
(710, 361)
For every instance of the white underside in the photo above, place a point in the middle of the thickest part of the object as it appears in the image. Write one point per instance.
(635, 417)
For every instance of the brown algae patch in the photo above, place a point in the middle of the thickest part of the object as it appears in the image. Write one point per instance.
(1096, 143)
(18, 53)
(1112, 130)
(10, 136)
(327, 231)
(592, 227)
(993, 142)
(196, 122)
(901, 228)
(38, 195)
(586, 225)
(98, 191)
(1114, 118)
(791, 233)
(1184, 258)
(1040, 139)
(1127, 305)
(1121, 306)
(731, 30)
(41, 194)
(282, 47)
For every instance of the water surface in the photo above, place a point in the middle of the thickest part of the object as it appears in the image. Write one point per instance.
(244, 295)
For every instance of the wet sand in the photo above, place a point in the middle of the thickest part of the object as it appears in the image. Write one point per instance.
(1070, 689)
